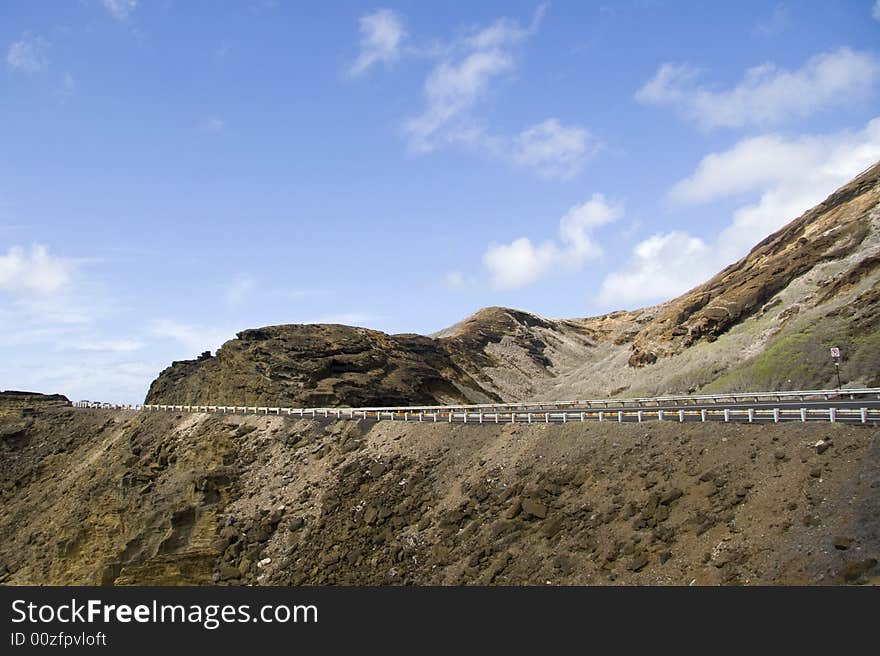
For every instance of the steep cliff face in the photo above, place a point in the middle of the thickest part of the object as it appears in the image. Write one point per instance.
(319, 365)
(766, 321)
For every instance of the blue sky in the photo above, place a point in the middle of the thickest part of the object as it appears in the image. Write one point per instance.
(174, 172)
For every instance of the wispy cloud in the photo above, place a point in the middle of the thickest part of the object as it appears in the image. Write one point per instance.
(775, 24)
(521, 262)
(30, 54)
(194, 337)
(119, 9)
(767, 94)
(875, 11)
(348, 319)
(110, 346)
(239, 290)
(552, 149)
(461, 79)
(457, 281)
(211, 125)
(382, 33)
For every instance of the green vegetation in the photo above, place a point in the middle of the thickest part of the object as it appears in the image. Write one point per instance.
(801, 360)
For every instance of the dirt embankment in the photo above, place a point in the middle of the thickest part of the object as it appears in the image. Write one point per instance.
(92, 497)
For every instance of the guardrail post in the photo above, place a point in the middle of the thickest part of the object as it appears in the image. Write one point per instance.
(751, 415)
(681, 416)
(620, 416)
(726, 414)
(464, 415)
(564, 416)
(512, 417)
(864, 414)
(450, 416)
(496, 416)
(529, 416)
(803, 414)
(639, 415)
(832, 415)
(582, 417)
(775, 415)
(546, 417)
(480, 417)
(659, 415)
(601, 415)
(703, 415)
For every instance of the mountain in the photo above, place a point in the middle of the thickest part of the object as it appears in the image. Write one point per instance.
(766, 321)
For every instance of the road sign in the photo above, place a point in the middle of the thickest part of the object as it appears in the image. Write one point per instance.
(835, 352)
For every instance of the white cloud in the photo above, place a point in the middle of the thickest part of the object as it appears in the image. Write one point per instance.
(521, 262)
(784, 177)
(239, 290)
(68, 86)
(463, 78)
(767, 94)
(120, 9)
(663, 262)
(381, 35)
(875, 12)
(29, 54)
(553, 149)
(34, 272)
(451, 89)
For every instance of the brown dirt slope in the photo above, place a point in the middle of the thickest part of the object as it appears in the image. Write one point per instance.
(104, 497)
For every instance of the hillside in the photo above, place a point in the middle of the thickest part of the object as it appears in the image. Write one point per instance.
(115, 497)
(765, 322)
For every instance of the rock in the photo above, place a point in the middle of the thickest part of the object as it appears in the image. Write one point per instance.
(842, 543)
(671, 496)
(816, 472)
(666, 555)
(822, 446)
(854, 571)
(638, 561)
(350, 445)
(553, 526)
(513, 510)
(296, 524)
(779, 455)
(227, 572)
(534, 508)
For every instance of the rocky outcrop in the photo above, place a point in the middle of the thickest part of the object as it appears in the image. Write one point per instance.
(319, 365)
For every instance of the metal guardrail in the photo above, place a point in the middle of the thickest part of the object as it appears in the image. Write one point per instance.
(632, 409)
